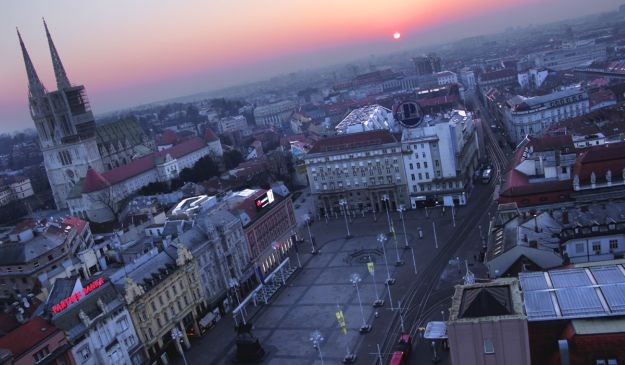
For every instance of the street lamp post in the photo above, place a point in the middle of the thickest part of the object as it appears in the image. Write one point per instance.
(343, 204)
(401, 210)
(308, 220)
(385, 199)
(356, 279)
(233, 284)
(176, 335)
(316, 338)
(434, 229)
(382, 239)
(378, 302)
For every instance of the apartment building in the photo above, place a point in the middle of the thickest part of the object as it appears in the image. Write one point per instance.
(361, 168)
(440, 156)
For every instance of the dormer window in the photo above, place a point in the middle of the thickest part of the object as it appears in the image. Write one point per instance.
(595, 228)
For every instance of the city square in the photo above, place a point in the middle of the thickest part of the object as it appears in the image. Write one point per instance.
(314, 293)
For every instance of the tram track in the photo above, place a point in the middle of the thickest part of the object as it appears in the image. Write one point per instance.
(417, 299)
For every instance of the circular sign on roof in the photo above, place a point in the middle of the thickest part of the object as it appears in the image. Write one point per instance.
(408, 113)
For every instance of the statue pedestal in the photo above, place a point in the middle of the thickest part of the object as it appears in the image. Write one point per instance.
(249, 349)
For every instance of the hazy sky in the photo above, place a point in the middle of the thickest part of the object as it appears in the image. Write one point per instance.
(132, 52)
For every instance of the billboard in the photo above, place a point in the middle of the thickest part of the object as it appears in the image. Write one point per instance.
(264, 200)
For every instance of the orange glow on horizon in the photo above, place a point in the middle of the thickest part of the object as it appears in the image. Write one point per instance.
(242, 34)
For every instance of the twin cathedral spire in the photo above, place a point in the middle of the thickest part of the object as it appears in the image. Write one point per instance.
(35, 86)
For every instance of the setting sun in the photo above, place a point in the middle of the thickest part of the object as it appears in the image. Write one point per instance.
(396, 35)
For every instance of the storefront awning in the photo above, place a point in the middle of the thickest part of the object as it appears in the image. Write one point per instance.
(435, 331)
(207, 319)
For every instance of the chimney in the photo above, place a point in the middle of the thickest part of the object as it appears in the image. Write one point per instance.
(563, 345)
(565, 216)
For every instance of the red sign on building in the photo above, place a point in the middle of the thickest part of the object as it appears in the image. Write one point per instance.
(76, 296)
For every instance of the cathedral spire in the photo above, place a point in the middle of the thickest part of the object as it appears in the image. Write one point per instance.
(62, 81)
(35, 87)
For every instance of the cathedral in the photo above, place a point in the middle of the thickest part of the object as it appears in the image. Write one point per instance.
(79, 155)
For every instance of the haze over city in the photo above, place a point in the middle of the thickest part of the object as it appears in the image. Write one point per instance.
(130, 53)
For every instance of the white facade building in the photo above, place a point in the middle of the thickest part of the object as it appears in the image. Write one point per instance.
(568, 57)
(368, 118)
(231, 124)
(532, 78)
(274, 114)
(446, 78)
(97, 196)
(358, 167)
(531, 116)
(440, 156)
(98, 325)
(467, 78)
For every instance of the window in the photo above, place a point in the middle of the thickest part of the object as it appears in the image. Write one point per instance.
(425, 165)
(427, 175)
(418, 165)
(123, 324)
(84, 353)
(41, 354)
(50, 257)
(411, 166)
(613, 244)
(412, 177)
(436, 163)
(596, 246)
(420, 176)
(489, 348)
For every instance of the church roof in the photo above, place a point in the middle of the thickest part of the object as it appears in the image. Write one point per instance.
(94, 181)
(123, 129)
(145, 163)
(210, 136)
(168, 137)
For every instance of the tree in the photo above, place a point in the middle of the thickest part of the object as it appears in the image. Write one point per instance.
(154, 188)
(202, 170)
(232, 159)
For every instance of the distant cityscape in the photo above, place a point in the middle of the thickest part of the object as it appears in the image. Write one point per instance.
(248, 226)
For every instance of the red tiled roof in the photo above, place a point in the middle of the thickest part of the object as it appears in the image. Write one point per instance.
(552, 142)
(168, 137)
(496, 75)
(601, 96)
(353, 140)
(27, 336)
(517, 184)
(75, 222)
(210, 136)
(94, 181)
(599, 160)
(145, 163)
(438, 100)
